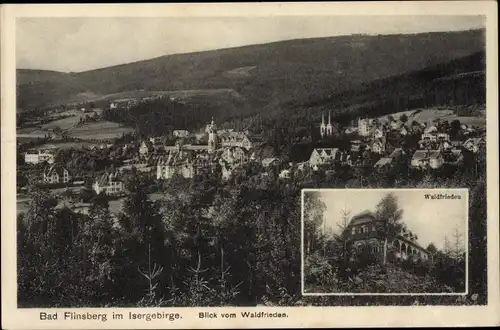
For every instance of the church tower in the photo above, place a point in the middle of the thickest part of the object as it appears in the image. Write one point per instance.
(322, 128)
(212, 136)
(329, 127)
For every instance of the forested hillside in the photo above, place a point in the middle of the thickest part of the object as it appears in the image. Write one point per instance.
(209, 244)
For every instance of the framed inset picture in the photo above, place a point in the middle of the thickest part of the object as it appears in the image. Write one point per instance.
(385, 242)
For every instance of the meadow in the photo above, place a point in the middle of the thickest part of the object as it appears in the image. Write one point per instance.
(104, 130)
(429, 115)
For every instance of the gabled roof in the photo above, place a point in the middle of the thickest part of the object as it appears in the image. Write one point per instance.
(256, 138)
(361, 218)
(435, 153)
(106, 177)
(327, 151)
(396, 153)
(380, 141)
(421, 154)
(268, 161)
(177, 158)
(57, 168)
(383, 161)
(431, 129)
(232, 135)
(475, 141)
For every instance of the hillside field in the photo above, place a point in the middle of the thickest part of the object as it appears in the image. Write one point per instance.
(429, 115)
(103, 130)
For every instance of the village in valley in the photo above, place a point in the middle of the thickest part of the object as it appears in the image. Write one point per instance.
(376, 145)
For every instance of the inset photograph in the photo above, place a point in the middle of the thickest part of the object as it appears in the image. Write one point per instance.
(384, 241)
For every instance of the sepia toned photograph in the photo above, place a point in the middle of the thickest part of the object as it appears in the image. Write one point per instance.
(176, 180)
(163, 164)
(397, 241)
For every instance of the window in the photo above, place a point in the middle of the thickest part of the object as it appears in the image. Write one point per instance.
(353, 230)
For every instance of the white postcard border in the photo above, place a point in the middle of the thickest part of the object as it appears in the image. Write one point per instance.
(15, 318)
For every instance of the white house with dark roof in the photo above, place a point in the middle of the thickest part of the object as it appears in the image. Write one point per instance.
(55, 173)
(177, 162)
(379, 146)
(235, 155)
(427, 158)
(443, 137)
(323, 156)
(474, 144)
(379, 132)
(109, 184)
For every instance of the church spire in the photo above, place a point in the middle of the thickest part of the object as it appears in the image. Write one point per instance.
(323, 119)
(329, 121)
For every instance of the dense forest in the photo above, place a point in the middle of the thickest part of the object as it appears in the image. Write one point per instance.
(458, 85)
(206, 243)
(160, 117)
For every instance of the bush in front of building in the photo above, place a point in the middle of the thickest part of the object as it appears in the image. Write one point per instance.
(318, 270)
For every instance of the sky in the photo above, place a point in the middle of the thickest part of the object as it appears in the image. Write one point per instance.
(430, 220)
(80, 44)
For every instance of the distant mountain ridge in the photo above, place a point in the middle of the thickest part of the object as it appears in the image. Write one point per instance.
(281, 72)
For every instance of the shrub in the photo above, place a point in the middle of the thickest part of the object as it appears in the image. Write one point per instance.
(317, 270)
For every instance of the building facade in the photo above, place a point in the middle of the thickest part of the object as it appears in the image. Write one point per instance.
(365, 230)
(177, 162)
(427, 158)
(109, 184)
(365, 127)
(55, 174)
(180, 133)
(39, 156)
(324, 156)
(236, 139)
(475, 144)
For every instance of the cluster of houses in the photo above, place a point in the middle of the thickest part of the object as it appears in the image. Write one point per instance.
(387, 139)
(227, 151)
(123, 103)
